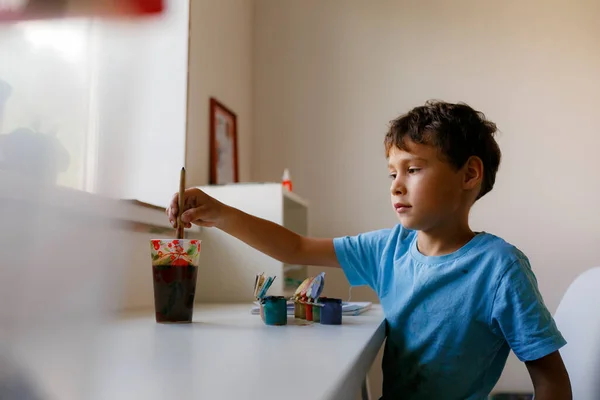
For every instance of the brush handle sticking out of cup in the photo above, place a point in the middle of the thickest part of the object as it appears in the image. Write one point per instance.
(180, 227)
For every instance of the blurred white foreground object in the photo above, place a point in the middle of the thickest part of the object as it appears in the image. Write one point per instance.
(62, 260)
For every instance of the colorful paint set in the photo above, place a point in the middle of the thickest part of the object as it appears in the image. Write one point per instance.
(307, 301)
(309, 305)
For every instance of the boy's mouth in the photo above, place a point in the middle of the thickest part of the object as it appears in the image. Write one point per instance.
(401, 207)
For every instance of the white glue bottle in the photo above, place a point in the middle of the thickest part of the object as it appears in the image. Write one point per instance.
(286, 181)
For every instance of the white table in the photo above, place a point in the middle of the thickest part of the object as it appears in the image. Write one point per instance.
(227, 353)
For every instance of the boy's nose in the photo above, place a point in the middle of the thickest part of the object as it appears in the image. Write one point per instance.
(397, 187)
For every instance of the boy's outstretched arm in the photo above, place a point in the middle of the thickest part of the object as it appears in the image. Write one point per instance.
(550, 378)
(265, 236)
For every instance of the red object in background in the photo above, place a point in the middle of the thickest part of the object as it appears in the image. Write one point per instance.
(286, 180)
(21, 10)
(150, 6)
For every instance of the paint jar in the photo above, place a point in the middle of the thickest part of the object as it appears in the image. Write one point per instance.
(317, 311)
(299, 310)
(262, 312)
(331, 312)
(309, 311)
(275, 310)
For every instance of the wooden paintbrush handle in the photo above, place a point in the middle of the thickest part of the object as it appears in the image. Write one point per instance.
(180, 227)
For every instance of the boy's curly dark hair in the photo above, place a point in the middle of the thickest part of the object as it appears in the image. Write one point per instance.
(456, 130)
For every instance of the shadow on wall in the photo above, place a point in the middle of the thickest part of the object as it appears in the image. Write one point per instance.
(28, 151)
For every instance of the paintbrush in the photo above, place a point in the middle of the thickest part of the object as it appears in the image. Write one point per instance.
(259, 282)
(268, 285)
(180, 232)
(264, 288)
(263, 291)
(255, 282)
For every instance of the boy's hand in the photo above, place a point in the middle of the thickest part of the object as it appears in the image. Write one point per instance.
(198, 209)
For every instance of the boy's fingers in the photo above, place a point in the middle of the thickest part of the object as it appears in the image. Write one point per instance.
(170, 214)
(174, 203)
(192, 215)
(173, 210)
(188, 216)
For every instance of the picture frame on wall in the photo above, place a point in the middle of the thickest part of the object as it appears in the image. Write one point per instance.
(223, 144)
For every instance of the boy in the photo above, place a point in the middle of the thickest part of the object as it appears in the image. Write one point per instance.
(455, 301)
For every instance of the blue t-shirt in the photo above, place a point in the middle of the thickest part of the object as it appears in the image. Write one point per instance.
(452, 319)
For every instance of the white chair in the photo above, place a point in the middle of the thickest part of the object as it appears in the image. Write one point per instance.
(578, 318)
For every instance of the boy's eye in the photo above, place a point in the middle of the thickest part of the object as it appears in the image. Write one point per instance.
(413, 170)
(393, 175)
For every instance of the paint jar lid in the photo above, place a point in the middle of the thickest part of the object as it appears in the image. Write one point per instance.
(273, 298)
(316, 286)
(329, 300)
(301, 290)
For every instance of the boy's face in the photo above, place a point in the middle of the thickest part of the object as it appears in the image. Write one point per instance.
(427, 192)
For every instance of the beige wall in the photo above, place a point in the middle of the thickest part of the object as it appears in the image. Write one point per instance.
(220, 66)
(329, 75)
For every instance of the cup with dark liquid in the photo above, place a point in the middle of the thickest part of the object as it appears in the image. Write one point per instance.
(174, 272)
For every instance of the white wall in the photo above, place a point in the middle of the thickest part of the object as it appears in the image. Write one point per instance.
(141, 84)
(220, 66)
(329, 75)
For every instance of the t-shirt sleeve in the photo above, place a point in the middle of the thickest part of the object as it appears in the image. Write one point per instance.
(521, 317)
(360, 256)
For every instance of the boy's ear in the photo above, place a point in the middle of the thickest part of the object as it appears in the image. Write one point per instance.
(473, 173)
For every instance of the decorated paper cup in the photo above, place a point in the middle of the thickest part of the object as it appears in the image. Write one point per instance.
(174, 270)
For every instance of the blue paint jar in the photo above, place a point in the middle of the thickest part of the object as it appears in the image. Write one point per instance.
(275, 310)
(331, 312)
